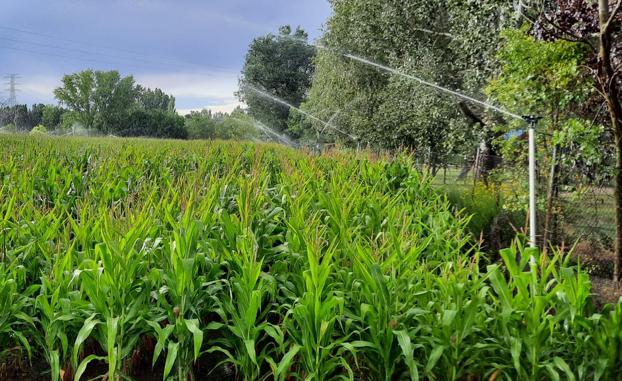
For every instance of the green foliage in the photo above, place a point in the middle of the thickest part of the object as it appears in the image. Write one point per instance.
(112, 104)
(39, 130)
(540, 77)
(447, 42)
(155, 99)
(549, 79)
(275, 264)
(77, 93)
(207, 125)
(21, 116)
(585, 147)
(281, 65)
(52, 116)
(154, 123)
(8, 128)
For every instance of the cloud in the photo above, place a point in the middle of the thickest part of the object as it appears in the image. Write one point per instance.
(38, 87)
(219, 85)
(225, 107)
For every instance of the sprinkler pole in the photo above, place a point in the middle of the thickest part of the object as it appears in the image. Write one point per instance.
(532, 120)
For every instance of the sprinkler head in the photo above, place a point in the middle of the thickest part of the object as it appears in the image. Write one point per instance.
(531, 118)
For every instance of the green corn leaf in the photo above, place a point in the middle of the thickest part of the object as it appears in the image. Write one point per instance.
(112, 326)
(286, 362)
(55, 365)
(563, 366)
(250, 350)
(197, 334)
(436, 354)
(82, 367)
(162, 339)
(171, 356)
(83, 334)
(515, 350)
(554, 375)
(408, 352)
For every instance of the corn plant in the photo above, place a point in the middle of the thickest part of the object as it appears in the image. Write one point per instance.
(112, 283)
(189, 291)
(261, 262)
(315, 316)
(15, 323)
(527, 316)
(58, 304)
(243, 314)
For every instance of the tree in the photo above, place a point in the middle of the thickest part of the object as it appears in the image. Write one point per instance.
(154, 123)
(237, 126)
(99, 99)
(201, 124)
(549, 79)
(609, 68)
(207, 125)
(280, 65)
(598, 26)
(52, 116)
(77, 93)
(113, 97)
(35, 115)
(155, 99)
(448, 42)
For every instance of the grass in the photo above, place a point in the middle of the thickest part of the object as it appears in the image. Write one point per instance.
(269, 263)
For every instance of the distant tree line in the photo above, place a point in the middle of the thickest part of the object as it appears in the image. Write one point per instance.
(106, 103)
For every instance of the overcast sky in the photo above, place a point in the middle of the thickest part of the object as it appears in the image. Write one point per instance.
(193, 49)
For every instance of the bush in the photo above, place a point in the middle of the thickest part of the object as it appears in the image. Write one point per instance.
(154, 123)
(39, 130)
(489, 216)
(8, 128)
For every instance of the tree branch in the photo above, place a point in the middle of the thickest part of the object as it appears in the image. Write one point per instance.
(470, 114)
(571, 36)
(565, 35)
(612, 17)
(435, 33)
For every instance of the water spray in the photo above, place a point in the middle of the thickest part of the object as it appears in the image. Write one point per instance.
(262, 127)
(289, 105)
(530, 120)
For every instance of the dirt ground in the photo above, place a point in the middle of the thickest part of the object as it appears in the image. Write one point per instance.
(598, 262)
(605, 291)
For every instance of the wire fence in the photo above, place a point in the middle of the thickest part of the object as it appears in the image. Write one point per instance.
(573, 211)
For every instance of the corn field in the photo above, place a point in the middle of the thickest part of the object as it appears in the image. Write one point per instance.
(234, 261)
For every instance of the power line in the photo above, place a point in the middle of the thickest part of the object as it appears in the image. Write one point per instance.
(147, 58)
(97, 61)
(162, 64)
(47, 54)
(79, 42)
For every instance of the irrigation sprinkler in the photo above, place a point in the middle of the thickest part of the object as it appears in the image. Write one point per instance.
(531, 120)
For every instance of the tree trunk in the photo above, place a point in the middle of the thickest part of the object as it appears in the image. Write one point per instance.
(609, 87)
(550, 202)
(617, 266)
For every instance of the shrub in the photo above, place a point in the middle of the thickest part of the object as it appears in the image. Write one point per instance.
(8, 128)
(39, 130)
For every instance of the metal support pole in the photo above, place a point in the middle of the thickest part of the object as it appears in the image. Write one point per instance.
(532, 120)
(532, 186)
